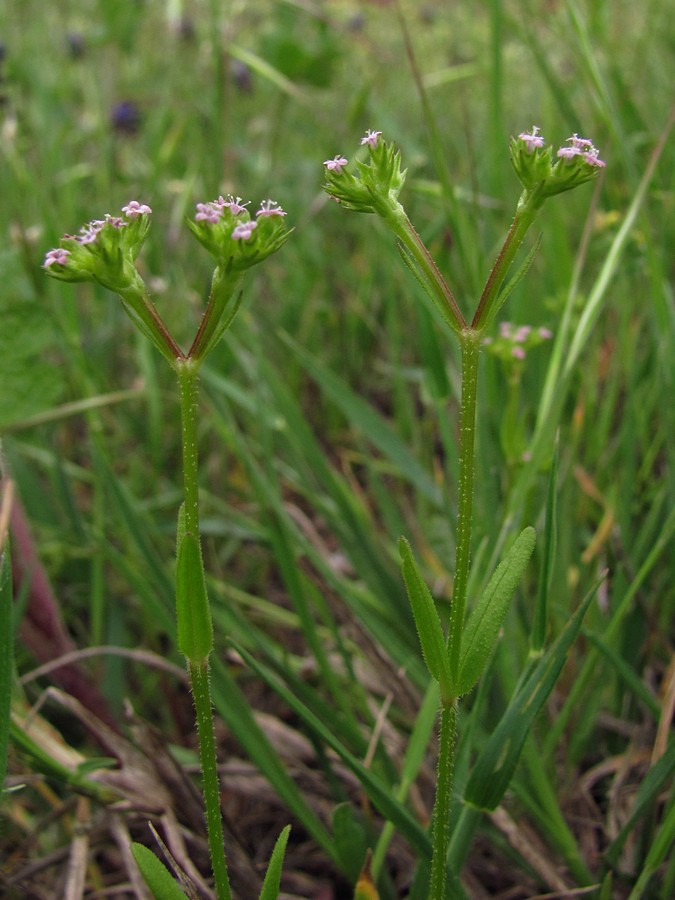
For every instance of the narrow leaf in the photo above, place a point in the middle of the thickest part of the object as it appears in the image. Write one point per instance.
(496, 764)
(156, 875)
(485, 622)
(270, 888)
(195, 629)
(427, 621)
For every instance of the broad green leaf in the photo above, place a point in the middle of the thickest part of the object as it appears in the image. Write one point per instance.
(496, 764)
(350, 839)
(428, 622)
(157, 877)
(195, 629)
(485, 622)
(270, 888)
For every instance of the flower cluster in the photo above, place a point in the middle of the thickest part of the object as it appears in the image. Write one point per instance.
(104, 250)
(225, 228)
(513, 341)
(541, 172)
(378, 182)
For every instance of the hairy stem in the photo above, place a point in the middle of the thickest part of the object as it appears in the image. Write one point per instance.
(470, 342)
(440, 828)
(201, 692)
(187, 372)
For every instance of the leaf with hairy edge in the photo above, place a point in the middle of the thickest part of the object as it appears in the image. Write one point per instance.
(486, 620)
(496, 764)
(427, 621)
(156, 875)
(270, 888)
(195, 629)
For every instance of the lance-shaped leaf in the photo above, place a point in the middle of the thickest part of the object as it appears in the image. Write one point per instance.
(486, 620)
(496, 764)
(427, 621)
(195, 628)
(157, 877)
(270, 888)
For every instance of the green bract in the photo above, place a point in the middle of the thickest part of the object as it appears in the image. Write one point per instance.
(236, 241)
(377, 185)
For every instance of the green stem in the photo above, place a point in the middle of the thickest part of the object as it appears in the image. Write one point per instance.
(528, 207)
(470, 341)
(440, 828)
(405, 232)
(187, 371)
(201, 691)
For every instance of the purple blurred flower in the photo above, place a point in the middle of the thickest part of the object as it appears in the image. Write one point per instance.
(125, 117)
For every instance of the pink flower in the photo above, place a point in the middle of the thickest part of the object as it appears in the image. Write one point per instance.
(207, 212)
(591, 157)
(134, 209)
(58, 257)
(533, 140)
(371, 139)
(270, 208)
(336, 164)
(244, 231)
(236, 207)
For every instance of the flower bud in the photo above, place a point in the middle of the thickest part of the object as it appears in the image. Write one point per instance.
(104, 251)
(543, 174)
(378, 182)
(235, 240)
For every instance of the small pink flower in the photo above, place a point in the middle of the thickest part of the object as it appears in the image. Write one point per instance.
(89, 232)
(270, 208)
(518, 353)
(207, 212)
(580, 143)
(568, 152)
(244, 231)
(134, 209)
(336, 164)
(533, 140)
(58, 257)
(545, 333)
(591, 157)
(522, 333)
(236, 207)
(371, 139)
